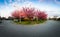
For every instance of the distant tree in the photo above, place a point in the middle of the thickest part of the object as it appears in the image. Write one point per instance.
(3, 18)
(0, 20)
(10, 18)
(55, 17)
(0, 17)
(50, 18)
(58, 19)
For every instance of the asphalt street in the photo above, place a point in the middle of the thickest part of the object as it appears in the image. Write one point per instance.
(48, 29)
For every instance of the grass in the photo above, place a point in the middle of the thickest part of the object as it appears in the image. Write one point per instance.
(30, 22)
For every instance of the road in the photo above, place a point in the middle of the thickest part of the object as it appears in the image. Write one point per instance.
(48, 29)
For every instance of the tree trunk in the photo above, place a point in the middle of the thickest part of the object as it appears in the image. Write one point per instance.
(20, 20)
(37, 19)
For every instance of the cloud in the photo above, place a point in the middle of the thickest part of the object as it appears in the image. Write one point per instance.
(57, 1)
(7, 9)
(50, 10)
(41, 0)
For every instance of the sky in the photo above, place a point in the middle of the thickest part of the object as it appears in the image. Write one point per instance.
(51, 7)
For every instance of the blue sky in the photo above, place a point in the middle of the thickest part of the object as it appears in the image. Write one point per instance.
(52, 7)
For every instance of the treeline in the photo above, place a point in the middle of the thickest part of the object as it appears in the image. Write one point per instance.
(4, 18)
(55, 18)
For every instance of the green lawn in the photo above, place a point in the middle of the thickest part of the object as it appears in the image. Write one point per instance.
(30, 22)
